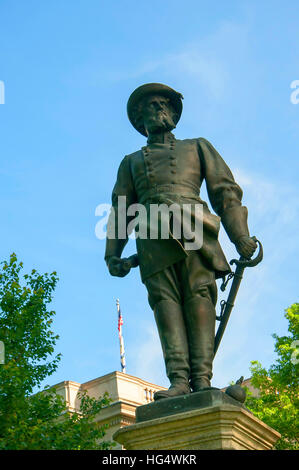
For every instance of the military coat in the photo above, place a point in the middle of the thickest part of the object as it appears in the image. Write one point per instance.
(173, 172)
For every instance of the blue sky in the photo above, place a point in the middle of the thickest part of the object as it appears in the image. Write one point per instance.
(68, 68)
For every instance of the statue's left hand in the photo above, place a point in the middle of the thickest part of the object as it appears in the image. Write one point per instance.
(246, 246)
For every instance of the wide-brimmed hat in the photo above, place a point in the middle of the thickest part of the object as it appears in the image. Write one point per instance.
(150, 89)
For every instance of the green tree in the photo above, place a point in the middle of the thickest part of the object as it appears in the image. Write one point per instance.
(40, 420)
(278, 401)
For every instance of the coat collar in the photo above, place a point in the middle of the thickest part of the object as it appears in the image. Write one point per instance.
(165, 137)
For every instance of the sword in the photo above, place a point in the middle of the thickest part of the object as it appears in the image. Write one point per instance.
(227, 306)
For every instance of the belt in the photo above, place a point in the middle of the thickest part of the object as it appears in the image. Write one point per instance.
(169, 189)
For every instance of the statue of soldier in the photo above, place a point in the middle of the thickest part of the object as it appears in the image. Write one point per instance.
(181, 283)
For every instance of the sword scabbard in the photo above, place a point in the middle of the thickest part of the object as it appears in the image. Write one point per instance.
(241, 264)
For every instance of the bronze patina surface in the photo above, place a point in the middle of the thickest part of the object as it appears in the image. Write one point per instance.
(180, 282)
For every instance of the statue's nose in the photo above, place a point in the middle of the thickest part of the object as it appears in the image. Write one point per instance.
(159, 106)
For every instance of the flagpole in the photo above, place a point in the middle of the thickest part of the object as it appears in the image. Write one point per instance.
(121, 339)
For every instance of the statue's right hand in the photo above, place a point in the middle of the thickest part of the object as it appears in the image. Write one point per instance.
(118, 267)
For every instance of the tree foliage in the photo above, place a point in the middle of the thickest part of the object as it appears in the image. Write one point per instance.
(278, 401)
(40, 420)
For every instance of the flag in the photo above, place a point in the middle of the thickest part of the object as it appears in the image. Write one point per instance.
(120, 320)
(121, 339)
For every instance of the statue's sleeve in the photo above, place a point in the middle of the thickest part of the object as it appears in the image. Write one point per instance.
(224, 193)
(123, 195)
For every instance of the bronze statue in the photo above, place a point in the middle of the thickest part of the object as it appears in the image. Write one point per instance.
(180, 282)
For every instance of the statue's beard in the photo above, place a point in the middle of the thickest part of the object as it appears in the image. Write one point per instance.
(160, 122)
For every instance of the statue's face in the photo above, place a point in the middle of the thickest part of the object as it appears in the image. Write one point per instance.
(157, 114)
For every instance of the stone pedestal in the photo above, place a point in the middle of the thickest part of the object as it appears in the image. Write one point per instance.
(204, 421)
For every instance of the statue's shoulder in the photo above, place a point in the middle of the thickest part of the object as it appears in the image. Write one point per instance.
(133, 158)
(203, 141)
(194, 140)
(205, 145)
(126, 163)
(201, 145)
(128, 158)
(196, 144)
(134, 155)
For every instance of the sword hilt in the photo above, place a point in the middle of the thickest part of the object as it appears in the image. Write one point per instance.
(249, 263)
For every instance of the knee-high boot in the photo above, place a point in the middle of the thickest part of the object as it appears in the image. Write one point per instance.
(172, 331)
(200, 316)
